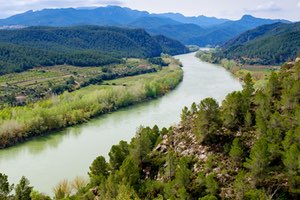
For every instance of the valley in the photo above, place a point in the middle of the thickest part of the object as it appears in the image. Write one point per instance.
(135, 100)
(97, 136)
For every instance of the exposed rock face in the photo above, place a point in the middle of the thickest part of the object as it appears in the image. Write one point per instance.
(184, 143)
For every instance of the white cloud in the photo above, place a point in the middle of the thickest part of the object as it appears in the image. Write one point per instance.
(270, 6)
(298, 4)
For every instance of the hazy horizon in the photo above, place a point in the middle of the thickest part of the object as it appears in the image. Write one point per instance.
(288, 10)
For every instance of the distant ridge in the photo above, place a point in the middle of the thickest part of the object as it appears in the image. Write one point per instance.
(200, 30)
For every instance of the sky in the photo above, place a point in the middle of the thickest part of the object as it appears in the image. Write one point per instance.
(230, 9)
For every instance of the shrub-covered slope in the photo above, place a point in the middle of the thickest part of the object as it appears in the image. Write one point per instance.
(247, 148)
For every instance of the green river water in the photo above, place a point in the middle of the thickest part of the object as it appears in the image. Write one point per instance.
(66, 154)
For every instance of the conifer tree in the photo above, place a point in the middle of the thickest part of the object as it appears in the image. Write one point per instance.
(23, 190)
(259, 160)
(208, 120)
(236, 151)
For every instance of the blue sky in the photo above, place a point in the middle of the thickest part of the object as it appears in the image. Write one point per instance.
(232, 9)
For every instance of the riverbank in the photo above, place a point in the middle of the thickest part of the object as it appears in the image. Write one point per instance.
(19, 124)
(79, 145)
(260, 74)
(215, 152)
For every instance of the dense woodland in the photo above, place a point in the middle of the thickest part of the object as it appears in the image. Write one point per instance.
(26, 48)
(247, 148)
(267, 45)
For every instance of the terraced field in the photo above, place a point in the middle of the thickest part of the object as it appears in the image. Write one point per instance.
(42, 82)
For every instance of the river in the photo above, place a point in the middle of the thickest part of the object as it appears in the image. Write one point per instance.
(66, 154)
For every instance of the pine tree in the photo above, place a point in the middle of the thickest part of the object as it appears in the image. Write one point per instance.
(194, 109)
(248, 120)
(263, 112)
(234, 109)
(274, 86)
(5, 187)
(23, 190)
(183, 173)
(184, 114)
(129, 173)
(99, 167)
(118, 154)
(211, 184)
(141, 145)
(259, 160)
(208, 120)
(248, 87)
(292, 165)
(236, 151)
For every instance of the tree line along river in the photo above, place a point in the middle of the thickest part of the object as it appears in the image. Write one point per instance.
(66, 154)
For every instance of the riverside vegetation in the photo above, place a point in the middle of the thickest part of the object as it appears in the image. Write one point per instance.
(259, 73)
(42, 82)
(247, 148)
(20, 123)
(258, 52)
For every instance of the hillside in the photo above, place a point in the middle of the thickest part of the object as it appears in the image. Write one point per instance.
(268, 45)
(153, 22)
(221, 33)
(110, 15)
(181, 32)
(80, 46)
(202, 21)
(200, 30)
(247, 148)
(170, 46)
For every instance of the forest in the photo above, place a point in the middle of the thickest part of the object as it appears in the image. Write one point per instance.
(266, 45)
(23, 49)
(246, 148)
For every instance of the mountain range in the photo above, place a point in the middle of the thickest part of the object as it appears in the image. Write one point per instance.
(199, 30)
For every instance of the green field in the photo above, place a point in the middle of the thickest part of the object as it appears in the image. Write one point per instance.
(40, 82)
(259, 73)
(58, 111)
